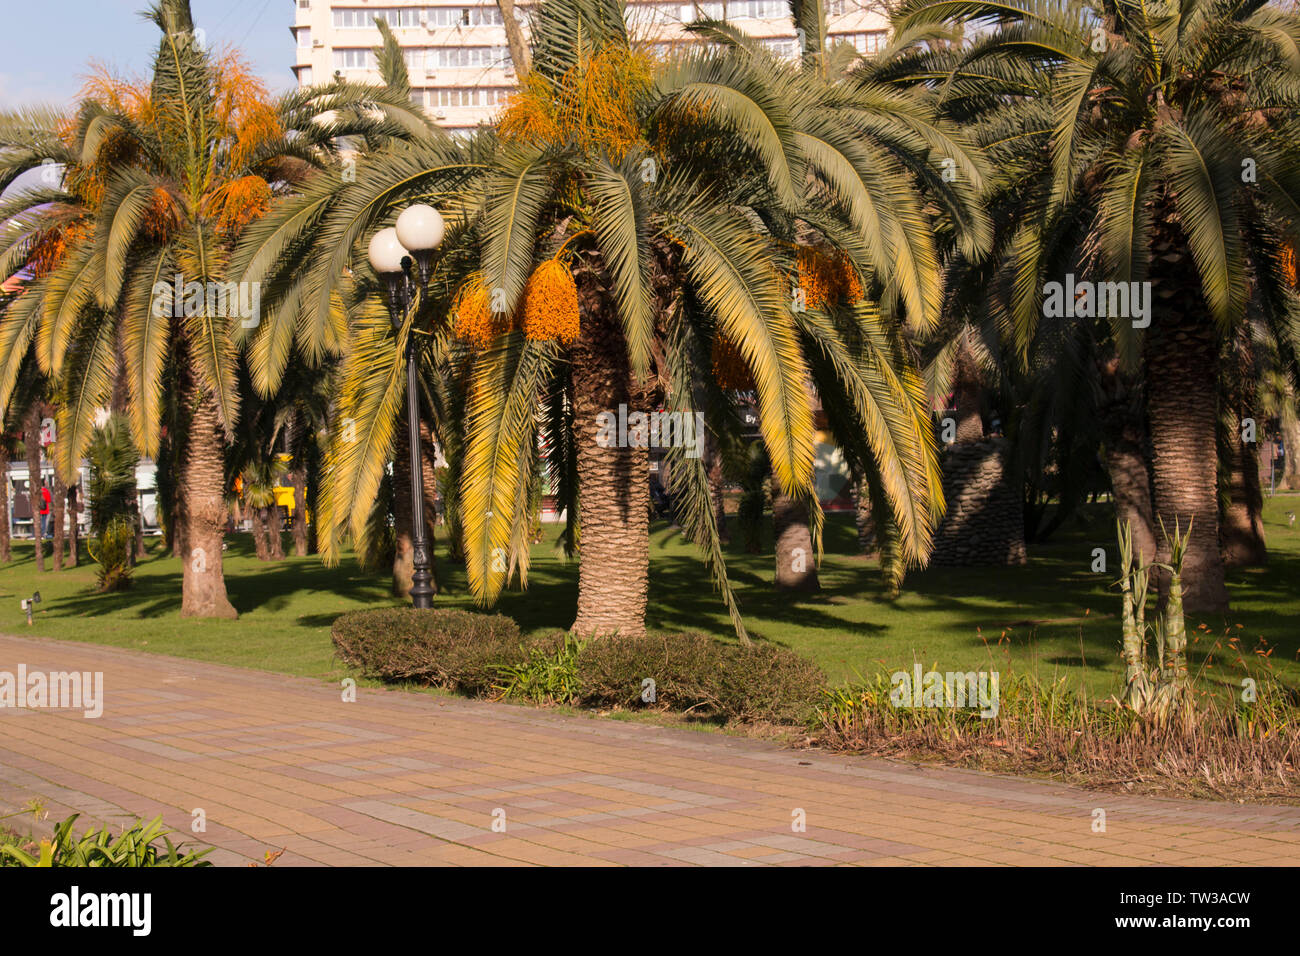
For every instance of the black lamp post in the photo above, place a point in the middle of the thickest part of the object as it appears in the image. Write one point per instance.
(393, 253)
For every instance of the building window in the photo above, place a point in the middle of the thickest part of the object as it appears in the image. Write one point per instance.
(873, 41)
(761, 10)
(304, 37)
(361, 18)
(467, 56)
(783, 47)
(399, 18)
(354, 58)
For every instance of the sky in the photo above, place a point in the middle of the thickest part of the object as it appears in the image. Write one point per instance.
(46, 45)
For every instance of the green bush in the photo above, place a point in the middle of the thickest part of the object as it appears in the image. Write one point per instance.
(115, 554)
(486, 654)
(459, 650)
(697, 674)
(134, 847)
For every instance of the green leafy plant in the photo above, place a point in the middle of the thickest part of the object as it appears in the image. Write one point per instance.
(112, 458)
(133, 847)
(1165, 691)
(545, 677)
(115, 554)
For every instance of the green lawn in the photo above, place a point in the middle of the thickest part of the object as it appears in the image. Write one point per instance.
(1053, 617)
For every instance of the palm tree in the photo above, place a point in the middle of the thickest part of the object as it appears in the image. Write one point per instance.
(626, 172)
(631, 217)
(321, 311)
(1172, 151)
(156, 183)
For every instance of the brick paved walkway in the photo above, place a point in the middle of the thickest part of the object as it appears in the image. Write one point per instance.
(400, 778)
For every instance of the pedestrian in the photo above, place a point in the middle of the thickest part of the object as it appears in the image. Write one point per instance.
(46, 521)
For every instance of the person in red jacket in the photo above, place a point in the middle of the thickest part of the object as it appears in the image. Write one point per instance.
(46, 521)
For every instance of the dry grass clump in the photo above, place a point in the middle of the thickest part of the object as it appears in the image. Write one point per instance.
(1240, 751)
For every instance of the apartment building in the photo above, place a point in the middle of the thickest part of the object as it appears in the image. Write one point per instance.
(459, 62)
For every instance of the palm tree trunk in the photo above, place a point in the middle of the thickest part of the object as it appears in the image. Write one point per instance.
(967, 387)
(613, 481)
(5, 553)
(32, 445)
(257, 517)
(298, 522)
(1182, 389)
(58, 498)
(1130, 483)
(137, 515)
(717, 481)
(297, 478)
(275, 531)
(74, 529)
(862, 518)
(203, 591)
(796, 567)
(1291, 445)
(311, 487)
(1124, 434)
(1242, 533)
(515, 38)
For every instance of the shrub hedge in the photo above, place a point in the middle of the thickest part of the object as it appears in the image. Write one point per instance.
(480, 654)
(458, 650)
(699, 674)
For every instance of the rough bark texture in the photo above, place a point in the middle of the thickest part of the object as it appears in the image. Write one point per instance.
(298, 479)
(866, 525)
(74, 529)
(717, 481)
(5, 554)
(613, 482)
(275, 531)
(32, 445)
(257, 519)
(966, 396)
(1130, 483)
(1241, 500)
(985, 518)
(1291, 444)
(796, 564)
(204, 513)
(1124, 431)
(58, 498)
(515, 38)
(1242, 533)
(1182, 366)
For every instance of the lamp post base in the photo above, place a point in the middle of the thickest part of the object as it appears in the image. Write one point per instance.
(421, 583)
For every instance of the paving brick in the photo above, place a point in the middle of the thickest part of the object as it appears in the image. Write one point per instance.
(400, 778)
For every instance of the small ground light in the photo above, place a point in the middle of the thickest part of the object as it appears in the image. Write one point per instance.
(29, 603)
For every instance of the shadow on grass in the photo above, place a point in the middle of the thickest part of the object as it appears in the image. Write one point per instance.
(1054, 611)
